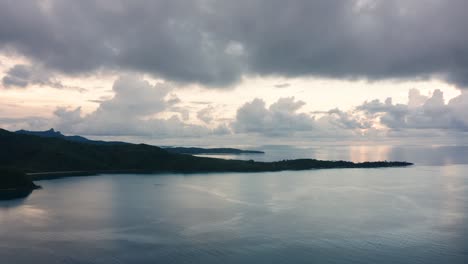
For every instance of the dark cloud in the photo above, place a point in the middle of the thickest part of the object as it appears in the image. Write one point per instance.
(216, 42)
(18, 76)
(22, 75)
(166, 38)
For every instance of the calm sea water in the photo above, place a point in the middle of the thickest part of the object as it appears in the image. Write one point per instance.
(394, 215)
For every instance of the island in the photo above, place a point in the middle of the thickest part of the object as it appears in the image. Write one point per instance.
(52, 133)
(210, 151)
(54, 157)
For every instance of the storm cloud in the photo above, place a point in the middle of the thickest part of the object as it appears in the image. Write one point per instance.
(216, 43)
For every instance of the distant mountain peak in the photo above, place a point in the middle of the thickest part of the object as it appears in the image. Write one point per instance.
(52, 133)
(46, 133)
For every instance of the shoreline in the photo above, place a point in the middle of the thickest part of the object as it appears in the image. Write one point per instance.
(51, 175)
(22, 192)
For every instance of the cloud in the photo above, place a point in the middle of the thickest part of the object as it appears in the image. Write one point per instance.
(133, 112)
(280, 118)
(28, 123)
(421, 112)
(215, 43)
(22, 75)
(415, 98)
(200, 102)
(164, 38)
(135, 97)
(142, 109)
(206, 114)
(338, 119)
(282, 85)
(430, 115)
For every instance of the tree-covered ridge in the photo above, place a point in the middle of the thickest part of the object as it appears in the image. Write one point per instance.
(51, 133)
(38, 154)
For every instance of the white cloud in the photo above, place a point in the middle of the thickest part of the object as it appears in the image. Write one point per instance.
(281, 118)
(131, 112)
(141, 109)
(421, 112)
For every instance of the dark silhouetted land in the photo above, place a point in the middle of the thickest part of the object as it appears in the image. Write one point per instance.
(15, 184)
(51, 133)
(197, 151)
(49, 157)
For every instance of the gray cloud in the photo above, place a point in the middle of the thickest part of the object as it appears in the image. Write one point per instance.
(206, 114)
(28, 123)
(200, 102)
(280, 118)
(421, 112)
(339, 119)
(18, 75)
(22, 75)
(282, 85)
(430, 115)
(216, 42)
(131, 113)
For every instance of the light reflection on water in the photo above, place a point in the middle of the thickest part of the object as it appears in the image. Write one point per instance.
(422, 155)
(394, 215)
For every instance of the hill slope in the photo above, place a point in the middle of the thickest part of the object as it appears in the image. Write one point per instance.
(51, 133)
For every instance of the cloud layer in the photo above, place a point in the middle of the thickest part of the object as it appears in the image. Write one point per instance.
(139, 108)
(421, 112)
(133, 111)
(281, 118)
(217, 42)
(23, 75)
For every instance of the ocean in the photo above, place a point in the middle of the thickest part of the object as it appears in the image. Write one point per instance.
(417, 214)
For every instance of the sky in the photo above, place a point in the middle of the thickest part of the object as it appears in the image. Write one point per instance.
(230, 73)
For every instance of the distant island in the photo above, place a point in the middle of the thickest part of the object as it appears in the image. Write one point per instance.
(199, 151)
(51, 133)
(51, 157)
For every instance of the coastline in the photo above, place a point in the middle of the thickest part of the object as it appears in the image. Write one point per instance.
(50, 175)
(23, 191)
